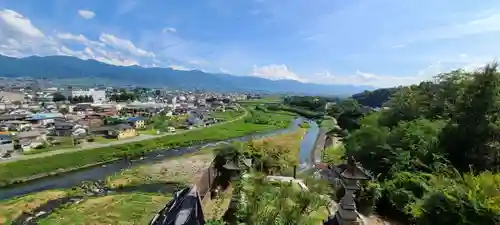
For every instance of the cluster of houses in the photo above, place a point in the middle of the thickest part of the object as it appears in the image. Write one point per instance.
(29, 131)
(33, 119)
(21, 130)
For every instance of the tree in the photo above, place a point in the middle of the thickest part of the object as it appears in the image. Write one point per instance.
(404, 105)
(374, 98)
(472, 137)
(424, 146)
(58, 97)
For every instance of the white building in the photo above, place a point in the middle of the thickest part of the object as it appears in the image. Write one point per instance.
(99, 96)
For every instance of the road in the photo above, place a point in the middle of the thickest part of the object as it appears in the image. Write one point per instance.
(17, 157)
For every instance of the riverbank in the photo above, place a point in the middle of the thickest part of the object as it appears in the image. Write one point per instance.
(24, 170)
(132, 195)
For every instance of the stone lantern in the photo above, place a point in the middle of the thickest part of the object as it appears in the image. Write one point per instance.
(350, 176)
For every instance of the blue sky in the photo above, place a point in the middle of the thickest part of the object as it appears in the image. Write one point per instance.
(363, 42)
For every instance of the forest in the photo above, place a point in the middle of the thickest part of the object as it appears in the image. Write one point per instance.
(434, 149)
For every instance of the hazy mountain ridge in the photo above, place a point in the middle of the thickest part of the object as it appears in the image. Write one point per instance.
(66, 67)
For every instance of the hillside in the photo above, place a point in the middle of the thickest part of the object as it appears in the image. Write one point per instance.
(65, 67)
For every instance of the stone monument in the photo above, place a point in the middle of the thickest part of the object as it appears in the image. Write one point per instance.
(350, 177)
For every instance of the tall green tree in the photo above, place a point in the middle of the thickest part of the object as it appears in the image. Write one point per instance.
(472, 137)
(58, 97)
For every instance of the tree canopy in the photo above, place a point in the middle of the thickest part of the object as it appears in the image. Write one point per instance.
(58, 97)
(435, 148)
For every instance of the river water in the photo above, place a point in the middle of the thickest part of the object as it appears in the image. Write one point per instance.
(71, 179)
(307, 145)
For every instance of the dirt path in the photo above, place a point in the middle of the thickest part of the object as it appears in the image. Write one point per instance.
(99, 145)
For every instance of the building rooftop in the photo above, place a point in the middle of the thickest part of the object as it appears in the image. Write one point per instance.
(42, 116)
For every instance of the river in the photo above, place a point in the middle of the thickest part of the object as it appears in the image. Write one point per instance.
(307, 145)
(73, 178)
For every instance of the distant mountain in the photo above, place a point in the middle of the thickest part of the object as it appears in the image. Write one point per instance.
(65, 67)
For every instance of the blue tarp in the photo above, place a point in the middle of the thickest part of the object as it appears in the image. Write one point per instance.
(43, 116)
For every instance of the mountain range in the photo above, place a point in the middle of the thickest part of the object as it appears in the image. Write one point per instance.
(66, 67)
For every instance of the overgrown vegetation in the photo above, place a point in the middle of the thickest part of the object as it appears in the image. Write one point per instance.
(260, 201)
(21, 170)
(130, 208)
(333, 154)
(263, 202)
(13, 208)
(435, 149)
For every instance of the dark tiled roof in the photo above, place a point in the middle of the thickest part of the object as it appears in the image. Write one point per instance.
(136, 118)
(120, 126)
(13, 117)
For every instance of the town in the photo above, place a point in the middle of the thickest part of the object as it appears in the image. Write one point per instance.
(35, 119)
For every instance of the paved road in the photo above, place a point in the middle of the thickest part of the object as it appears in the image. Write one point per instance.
(87, 146)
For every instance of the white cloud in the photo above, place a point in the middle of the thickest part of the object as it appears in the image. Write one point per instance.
(117, 61)
(126, 6)
(482, 24)
(125, 45)
(275, 72)
(20, 38)
(86, 14)
(169, 30)
(63, 50)
(398, 46)
(279, 72)
(179, 67)
(78, 38)
(363, 78)
(225, 71)
(13, 22)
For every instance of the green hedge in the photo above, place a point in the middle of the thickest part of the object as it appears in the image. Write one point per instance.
(19, 171)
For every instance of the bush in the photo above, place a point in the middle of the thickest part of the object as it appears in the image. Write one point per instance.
(366, 201)
(462, 200)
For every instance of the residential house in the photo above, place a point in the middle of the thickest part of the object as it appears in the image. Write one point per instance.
(194, 120)
(139, 109)
(15, 125)
(139, 122)
(12, 117)
(179, 111)
(6, 145)
(5, 138)
(63, 128)
(118, 131)
(43, 118)
(29, 139)
(105, 109)
(121, 131)
(93, 120)
(83, 108)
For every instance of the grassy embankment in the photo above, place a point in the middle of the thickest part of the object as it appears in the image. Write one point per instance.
(332, 154)
(19, 171)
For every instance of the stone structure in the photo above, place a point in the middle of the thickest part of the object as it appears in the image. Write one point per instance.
(350, 176)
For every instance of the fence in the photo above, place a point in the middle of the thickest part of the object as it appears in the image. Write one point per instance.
(205, 183)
